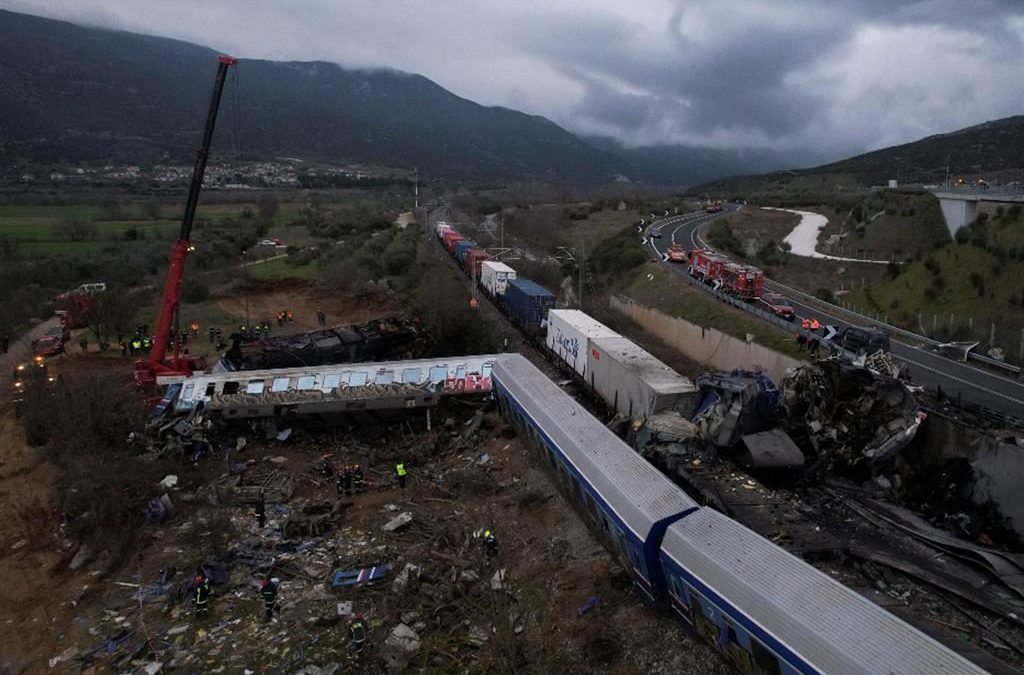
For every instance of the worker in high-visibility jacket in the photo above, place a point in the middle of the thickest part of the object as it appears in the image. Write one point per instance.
(400, 473)
(357, 633)
(815, 324)
(805, 324)
(490, 545)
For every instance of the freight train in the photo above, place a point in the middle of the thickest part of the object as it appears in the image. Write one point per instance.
(768, 612)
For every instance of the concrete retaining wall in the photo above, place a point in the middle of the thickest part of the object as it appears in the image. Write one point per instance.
(707, 345)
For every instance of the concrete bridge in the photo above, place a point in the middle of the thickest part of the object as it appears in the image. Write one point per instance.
(960, 204)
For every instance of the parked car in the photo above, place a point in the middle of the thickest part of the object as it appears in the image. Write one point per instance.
(778, 305)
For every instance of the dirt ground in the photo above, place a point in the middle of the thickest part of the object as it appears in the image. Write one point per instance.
(552, 566)
(303, 299)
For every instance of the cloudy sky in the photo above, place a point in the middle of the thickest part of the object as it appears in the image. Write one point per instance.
(829, 78)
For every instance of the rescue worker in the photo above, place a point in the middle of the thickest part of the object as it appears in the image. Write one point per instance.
(345, 481)
(201, 583)
(801, 341)
(134, 346)
(358, 480)
(268, 589)
(124, 347)
(291, 317)
(83, 342)
(400, 473)
(357, 633)
(814, 345)
(261, 512)
(815, 324)
(321, 318)
(805, 324)
(490, 545)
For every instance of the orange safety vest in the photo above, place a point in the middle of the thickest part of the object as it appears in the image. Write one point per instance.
(815, 325)
(805, 323)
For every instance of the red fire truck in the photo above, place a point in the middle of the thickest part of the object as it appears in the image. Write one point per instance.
(743, 281)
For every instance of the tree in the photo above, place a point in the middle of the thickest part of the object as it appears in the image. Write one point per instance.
(268, 206)
(75, 229)
(152, 209)
(110, 312)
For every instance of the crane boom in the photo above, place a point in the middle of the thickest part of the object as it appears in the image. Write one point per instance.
(147, 370)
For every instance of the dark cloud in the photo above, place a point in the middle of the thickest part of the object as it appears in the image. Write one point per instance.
(833, 78)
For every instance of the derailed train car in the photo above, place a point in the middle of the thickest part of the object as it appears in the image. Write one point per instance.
(768, 612)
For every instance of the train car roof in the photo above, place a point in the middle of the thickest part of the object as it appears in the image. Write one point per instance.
(653, 372)
(816, 617)
(637, 491)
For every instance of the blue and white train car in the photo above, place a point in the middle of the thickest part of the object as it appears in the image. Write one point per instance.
(771, 613)
(628, 501)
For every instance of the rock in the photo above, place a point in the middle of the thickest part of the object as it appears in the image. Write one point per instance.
(152, 668)
(409, 617)
(469, 575)
(401, 520)
(419, 625)
(498, 580)
(279, 459)
(82, 557)
(178, 630)
(19, 544)
(169, 481)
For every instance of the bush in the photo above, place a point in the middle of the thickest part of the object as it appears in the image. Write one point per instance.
(193, 291)
(722, 237)
(825, 294)
(962, 236)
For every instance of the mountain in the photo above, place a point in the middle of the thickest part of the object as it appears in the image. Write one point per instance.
(688, 165)
(74, 93)
(993, 150)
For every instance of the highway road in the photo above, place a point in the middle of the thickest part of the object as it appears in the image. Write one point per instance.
(928, 369)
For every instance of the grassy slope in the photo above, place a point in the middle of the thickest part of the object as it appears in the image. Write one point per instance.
(915, 291)
(676, 297)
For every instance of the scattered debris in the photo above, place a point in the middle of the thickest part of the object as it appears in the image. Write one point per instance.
(588, 605)
(770, 449)
(399, 521)
(361, 576)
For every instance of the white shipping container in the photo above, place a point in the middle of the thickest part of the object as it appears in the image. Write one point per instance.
(494, 277)
(569, 334)
(440, 228)
(634, 383)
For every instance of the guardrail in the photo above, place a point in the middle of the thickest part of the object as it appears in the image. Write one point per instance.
(867, 320)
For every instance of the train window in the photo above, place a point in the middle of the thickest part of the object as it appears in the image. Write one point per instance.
(357, 379)
(411, 375)
(254, 387)
(385, 377)
(332, 381)
(211, 388)
(306, 382)
(765, 660)
(280, 384)
(230, 388)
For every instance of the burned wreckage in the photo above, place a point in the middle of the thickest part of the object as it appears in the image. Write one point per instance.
(832, 416)
(384, 339)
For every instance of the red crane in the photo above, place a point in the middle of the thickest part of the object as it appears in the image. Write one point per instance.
(158, 364)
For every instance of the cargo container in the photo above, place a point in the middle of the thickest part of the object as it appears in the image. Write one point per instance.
(472, 261)
(462, 246)
(634, 383)
(569, 334)
(451, 237)
(528, 304)
(494, 276)
(441, 228)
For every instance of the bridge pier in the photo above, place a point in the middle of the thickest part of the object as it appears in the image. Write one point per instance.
(958, 212)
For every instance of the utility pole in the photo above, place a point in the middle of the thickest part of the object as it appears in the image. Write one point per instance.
(416, 188)
(580, 264)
